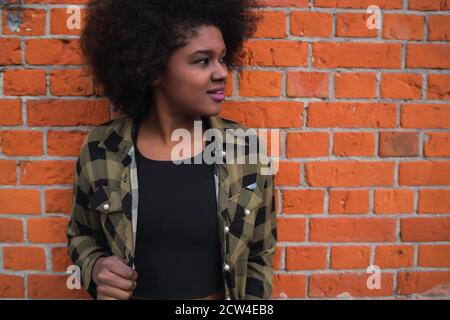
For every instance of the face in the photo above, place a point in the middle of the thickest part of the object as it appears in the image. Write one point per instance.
(192, 71)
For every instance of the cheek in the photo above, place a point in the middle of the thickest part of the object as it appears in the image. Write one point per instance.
(192, 87)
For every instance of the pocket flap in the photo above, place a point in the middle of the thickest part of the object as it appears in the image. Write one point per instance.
(106, 200)
(245, 201)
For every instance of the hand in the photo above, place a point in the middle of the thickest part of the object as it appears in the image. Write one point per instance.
(114, 278)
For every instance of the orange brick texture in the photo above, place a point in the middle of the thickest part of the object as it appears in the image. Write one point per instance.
(364, 114)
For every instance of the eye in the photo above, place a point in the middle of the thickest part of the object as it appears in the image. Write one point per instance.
(206, 59)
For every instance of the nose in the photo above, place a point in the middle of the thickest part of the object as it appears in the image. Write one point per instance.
(220, 72)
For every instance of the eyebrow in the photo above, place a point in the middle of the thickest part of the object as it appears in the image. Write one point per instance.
(207, 51)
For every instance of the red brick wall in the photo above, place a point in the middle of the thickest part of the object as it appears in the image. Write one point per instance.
(365, 153)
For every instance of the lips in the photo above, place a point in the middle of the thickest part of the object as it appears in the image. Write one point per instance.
(216, 95)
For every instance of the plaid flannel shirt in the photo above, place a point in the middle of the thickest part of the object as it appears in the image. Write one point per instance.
(105, 202)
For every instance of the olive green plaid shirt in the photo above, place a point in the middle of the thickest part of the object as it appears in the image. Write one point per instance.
(105, 202)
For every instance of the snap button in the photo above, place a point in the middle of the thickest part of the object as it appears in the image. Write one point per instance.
(226, 267)
(106, 206)
(247, 212)
(227, 228)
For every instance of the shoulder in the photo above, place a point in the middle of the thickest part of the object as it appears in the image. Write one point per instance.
(98, 132)
(91, 149)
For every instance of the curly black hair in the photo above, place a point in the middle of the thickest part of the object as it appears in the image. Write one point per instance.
(126, 43)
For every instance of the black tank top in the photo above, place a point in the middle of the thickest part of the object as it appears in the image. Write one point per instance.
(177, 252)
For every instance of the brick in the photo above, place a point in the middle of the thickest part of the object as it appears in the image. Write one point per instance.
(437, 144)
(58, 201)
(59, 19)
(306, 258)
(284, 3)
(32, 22)
(10, 112)
(354, 25)
(349, 173)
(351, 115)
(437, 256)
(393, 201)
(302, 201)
(429, 5)
(8, 170)
(67, 112)
(16, 201)
(358, 4)
(398, 144)
(60, 259)
(424, 173)
(401, 86)
(259, 83)
(47, 230)
(356, 55)
(47, 172)
(266, 53)
(11, 230)
(12, 286)
(349, 257)
(394, 256)
(354, 85)
(43, 286)
(425, 229)
(292, 229)
(311, 24)
(307, 144)
(21, 143)
(439, 28)
(349, 201)
(288, 174)
(428, 56)
(24, 82)
(307, 84)
(420, 281)
(264, 114)
(53, 52)
(10, 49)
(434, 201)
(24, 258)
(65, 143)
(71, 83)
(273, 25)
(355, 284)
(352, 229)
(289, 286)
(277, 259)
(435, 116)
(403, 26)
(353, 144)
(439, 86)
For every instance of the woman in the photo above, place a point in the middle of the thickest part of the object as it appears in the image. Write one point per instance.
(142, 226)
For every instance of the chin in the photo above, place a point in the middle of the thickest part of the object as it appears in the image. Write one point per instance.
(211, 111)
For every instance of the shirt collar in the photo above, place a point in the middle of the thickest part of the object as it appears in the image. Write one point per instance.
(118, 136)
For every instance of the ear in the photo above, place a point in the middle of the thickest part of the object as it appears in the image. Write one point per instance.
(157, 81)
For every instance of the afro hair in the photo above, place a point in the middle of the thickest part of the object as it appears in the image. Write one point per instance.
(126, 43)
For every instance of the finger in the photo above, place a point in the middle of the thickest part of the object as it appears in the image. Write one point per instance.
(117, 293)
(108, 298)
(120, 269)
(120, 283)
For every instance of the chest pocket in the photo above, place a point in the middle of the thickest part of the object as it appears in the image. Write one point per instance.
(243, 205)
(107, 200)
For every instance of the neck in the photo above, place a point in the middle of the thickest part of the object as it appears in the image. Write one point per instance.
(160, 125)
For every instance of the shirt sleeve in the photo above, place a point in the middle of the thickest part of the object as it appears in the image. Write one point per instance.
(262, 246)
(86, 239)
